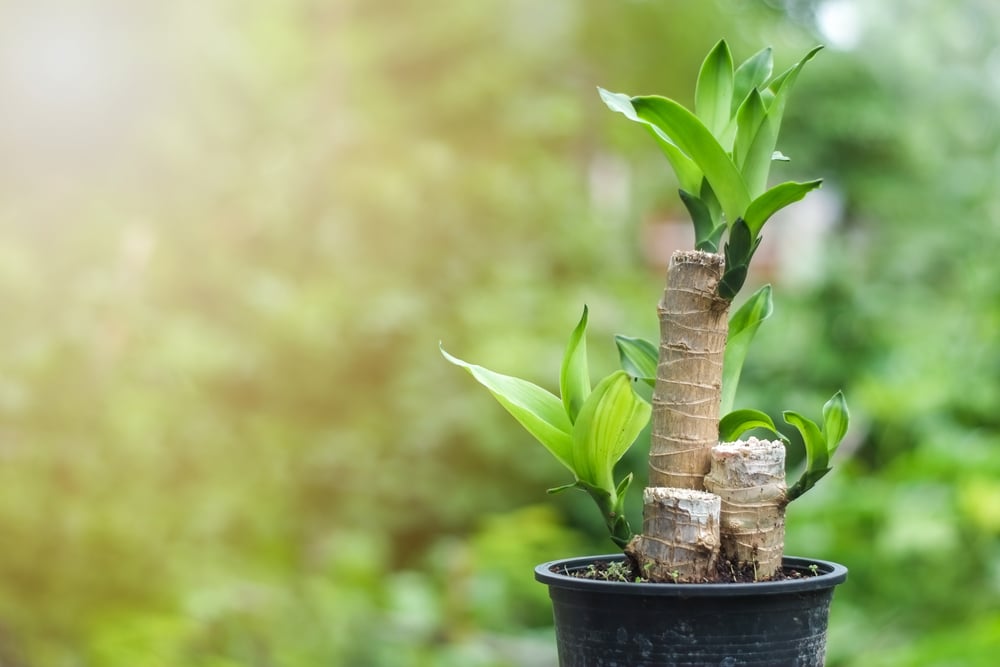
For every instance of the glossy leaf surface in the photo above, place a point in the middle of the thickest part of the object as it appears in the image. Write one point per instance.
(688, 173)
(697, 142)
(738, 422)
(638, 358)
(540, 412)
(714, 90)
(751, 73)
(836, 419)
(775, 199)
(606, 427)
(574, 375)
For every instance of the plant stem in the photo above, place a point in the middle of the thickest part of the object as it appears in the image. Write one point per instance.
(693, 327)
(749, 477)
(680, 540)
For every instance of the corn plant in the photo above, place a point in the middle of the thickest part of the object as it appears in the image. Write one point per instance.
(721, 153)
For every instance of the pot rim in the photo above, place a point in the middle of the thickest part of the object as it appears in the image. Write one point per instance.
(552, 573)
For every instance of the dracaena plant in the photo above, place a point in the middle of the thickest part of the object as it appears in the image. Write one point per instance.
(721, 153)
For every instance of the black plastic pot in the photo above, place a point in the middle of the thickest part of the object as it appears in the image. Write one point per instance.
(769, 624)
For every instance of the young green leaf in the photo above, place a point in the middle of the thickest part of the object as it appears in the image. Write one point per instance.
(743, 325)
(714, 91)
(782, 84)
(775, 199)
(836, 419)
(638, 358)
(752, 73)
(540, 412)
(574, 376)
(610, 421)
(706, 233)
(749, 117)
(757, 159)
(623, 485)
(697, 142)
(817, 456)
(738, 422)
(738, 251)
(688, 173)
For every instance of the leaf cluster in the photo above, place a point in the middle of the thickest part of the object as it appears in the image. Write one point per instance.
(588, 430)
(722, 152)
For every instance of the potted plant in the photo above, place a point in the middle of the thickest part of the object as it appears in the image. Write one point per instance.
(706, 581)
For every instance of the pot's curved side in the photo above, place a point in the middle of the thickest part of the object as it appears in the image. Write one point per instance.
(768, 624)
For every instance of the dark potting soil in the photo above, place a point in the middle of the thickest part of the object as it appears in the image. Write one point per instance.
(726, 571)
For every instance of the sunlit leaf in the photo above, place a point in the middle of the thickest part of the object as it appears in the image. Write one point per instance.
(574, 375)
(749, 117)
(698, 143)
(539, 411)
(610, 421)
(743, 325)
(836, 420)
(688, 173)
(752, 73)
(714, 90)
(775, 199)
(638, 358)
(623, 485)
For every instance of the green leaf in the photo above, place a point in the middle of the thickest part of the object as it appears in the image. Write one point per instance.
(574, 376)
(757, 151)
(752, 73)
(638, 358)
(688, 173)
(757, 160)
(781, 86)
(623, 485)
(836, 419)
(738, 422)
(775, 199)
(714, 91)
(696, 141)
(738, 251)
(743, 325)
(540, 412)
(706, 233)
(606, 427)
(817, 457)
(748, 118)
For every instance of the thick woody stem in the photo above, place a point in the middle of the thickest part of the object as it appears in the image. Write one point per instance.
(749, 477)
(680, 540)
(693, 328)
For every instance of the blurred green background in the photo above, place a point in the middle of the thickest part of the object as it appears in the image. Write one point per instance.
(233, 233)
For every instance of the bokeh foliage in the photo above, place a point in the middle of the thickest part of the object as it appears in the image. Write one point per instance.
(226, 434)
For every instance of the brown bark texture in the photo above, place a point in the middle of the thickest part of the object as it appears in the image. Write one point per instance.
(680, 536)
(749, 477)
(693, 327)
